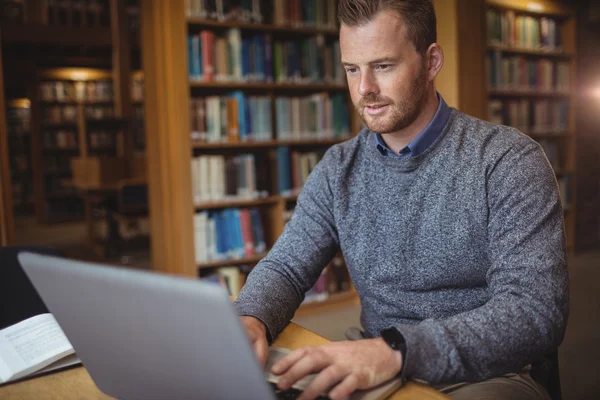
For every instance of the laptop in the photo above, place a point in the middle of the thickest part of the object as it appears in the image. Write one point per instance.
(144, 335)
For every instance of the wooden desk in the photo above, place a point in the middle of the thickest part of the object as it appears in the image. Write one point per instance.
(76, 383)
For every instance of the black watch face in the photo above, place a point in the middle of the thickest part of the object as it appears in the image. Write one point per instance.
(394, 338)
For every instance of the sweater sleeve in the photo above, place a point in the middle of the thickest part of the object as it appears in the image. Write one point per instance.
(526, 315)
(276, 286)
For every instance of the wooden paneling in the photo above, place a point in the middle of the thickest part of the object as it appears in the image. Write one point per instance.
(471, 52)
(48, 34)
(167, 135)
(587, 203)
(6, 214)
(447, 37)
(121, 73)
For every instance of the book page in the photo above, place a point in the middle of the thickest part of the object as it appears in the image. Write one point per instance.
(31, 345)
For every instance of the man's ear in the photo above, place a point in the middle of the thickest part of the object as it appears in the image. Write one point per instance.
(435, 60)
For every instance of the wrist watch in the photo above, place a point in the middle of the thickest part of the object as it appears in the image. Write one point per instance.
(395, 340)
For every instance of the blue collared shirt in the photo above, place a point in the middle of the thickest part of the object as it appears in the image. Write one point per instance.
(424, 139)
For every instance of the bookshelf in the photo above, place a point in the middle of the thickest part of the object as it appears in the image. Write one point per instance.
(254, 102)
(18, 120)
(71, 113)
(525, 64)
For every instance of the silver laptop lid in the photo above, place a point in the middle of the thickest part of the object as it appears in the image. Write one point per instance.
(143, 335)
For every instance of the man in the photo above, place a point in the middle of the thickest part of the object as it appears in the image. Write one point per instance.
(451, 228)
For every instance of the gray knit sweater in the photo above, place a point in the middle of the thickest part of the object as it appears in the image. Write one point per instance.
(462, 248)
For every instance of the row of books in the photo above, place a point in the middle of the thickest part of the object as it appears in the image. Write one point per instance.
(67, 113)
(129, 229)
(59, 139)
(305, 13)
(231, 118)
(216, 178)
(101, 140)
(519, 73)
(551, 148)
(232, 278)
(531, 117)
(99, 112)
(53, 163)
(293, 13)
(76, 91)
(57, 114)
(229, 57)
(522, 31)
(139, 128)
(137, 88)
(54, 184)
(79, 13)
(333, 279)
(241, 118)
(249, 11)
(293, 169)
(64, 209)
(231, 233)
(318, 116)
(18, 120)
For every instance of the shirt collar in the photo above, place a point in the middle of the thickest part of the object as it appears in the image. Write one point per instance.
(424, 139)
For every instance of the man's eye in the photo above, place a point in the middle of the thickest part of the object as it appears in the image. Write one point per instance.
(351, 70)
(383, 67)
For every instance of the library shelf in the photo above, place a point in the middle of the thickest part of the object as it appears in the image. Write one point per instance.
(236, 203)
(233, 261)
(266, 143)
(61, 195)
(548, 10)
(37, 33)
(276, 86)
(525, 93)
(334, 301)
(60, 149)
(531, 52)
(59, 125)
(290, 197)
(75, 102)
(272, 28)
(550, 134)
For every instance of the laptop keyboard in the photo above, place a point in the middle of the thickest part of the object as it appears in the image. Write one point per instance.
(291, 393)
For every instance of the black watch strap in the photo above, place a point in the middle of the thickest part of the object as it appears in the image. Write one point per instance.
(395, 340)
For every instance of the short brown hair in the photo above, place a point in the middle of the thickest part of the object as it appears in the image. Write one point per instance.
(417, 15)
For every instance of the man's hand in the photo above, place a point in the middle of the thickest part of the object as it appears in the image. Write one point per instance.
(257, 332)
(345, 367)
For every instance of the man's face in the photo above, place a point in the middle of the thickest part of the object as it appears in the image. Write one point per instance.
(387, 78)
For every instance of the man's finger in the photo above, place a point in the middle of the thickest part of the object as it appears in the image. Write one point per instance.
(261, 348)
(313, 361)
(286, 362)
(323, 382)
(345, 388)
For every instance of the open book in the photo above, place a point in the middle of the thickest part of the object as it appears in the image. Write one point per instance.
(32, 347)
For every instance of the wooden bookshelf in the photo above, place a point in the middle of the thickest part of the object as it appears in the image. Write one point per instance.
(18, 116)
(266, 144)
(61, 104)
(478, 93)
(232, 261)
(531, 52)
(269, 28)
(280, 87)
(237, 203)
(169, 170)
(526, 93)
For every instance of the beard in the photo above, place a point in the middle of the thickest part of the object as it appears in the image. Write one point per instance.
(401, 114)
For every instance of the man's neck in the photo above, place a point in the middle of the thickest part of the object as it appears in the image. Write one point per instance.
(398, 140)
